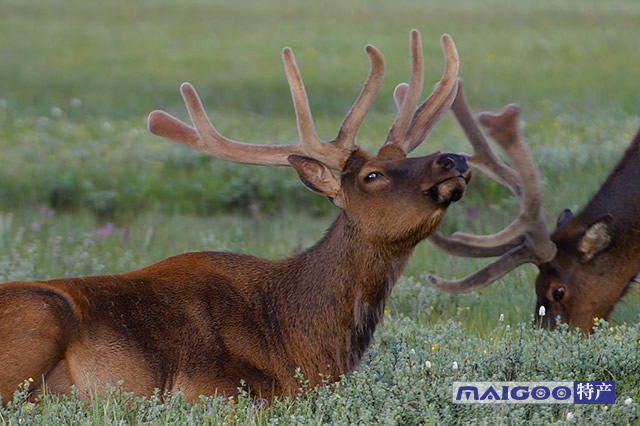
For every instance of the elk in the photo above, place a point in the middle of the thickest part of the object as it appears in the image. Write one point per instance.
(587, 264)
(210, 322)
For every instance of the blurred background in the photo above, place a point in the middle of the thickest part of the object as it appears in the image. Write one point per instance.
(84, 189)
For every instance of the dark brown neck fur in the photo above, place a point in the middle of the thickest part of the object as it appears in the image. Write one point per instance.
(620, 194)
(336, 297)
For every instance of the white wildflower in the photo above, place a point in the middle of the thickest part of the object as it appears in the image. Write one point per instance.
(570, 416)
(106, 125)
(455, 365)
(542, 311)
(412, 352)
(76, 103)
(427, 365)
(507, 328)
(56, 111)
(501, 319)
(628, 401)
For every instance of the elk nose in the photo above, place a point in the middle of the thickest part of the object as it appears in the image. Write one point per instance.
(455, 162)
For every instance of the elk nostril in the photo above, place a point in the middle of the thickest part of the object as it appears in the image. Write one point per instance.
(446, 162)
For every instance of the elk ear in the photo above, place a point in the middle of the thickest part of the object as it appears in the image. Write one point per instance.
(596, 238)
(563, 218)
(318, 178)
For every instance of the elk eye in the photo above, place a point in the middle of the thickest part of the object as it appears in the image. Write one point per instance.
(371, 177)
(558, 294)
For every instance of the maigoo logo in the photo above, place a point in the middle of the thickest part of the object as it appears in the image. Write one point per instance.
(534, 392)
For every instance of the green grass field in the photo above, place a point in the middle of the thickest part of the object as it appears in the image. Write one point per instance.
(84, 189)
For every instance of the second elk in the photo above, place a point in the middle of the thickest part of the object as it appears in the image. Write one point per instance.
(587, 264)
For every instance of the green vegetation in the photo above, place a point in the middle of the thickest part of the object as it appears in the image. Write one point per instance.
(406, 379)
(78, 78)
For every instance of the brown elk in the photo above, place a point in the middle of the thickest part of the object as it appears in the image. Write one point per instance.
(203, 323)
(587, 264)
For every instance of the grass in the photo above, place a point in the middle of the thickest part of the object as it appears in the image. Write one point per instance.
(78, 79)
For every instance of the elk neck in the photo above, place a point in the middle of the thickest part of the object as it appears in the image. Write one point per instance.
(620, 194)
(337, 294)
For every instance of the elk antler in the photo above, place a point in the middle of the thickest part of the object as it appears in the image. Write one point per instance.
(207, 139)
(525, 240)
(412, 125)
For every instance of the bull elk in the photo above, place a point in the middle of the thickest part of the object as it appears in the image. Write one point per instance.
(587, 264)
(203, 323)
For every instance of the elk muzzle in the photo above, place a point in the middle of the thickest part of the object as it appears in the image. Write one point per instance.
(456, 173)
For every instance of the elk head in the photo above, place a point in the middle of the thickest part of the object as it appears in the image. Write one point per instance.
(390, 197)
(565, 286)
(598, 250)
(573, 261)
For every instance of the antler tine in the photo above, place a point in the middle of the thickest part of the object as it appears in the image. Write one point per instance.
(504, 129)
(484, 277)
(347, 134)
(458, 248)
(400, 94)
(163, 124)
(304, 118)
(403, 119)
(483, 157)
(434, 107)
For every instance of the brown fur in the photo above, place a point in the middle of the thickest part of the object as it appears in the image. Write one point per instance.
(592, 283)
(201, 323)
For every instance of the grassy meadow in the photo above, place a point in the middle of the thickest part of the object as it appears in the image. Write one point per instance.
(84, 189)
